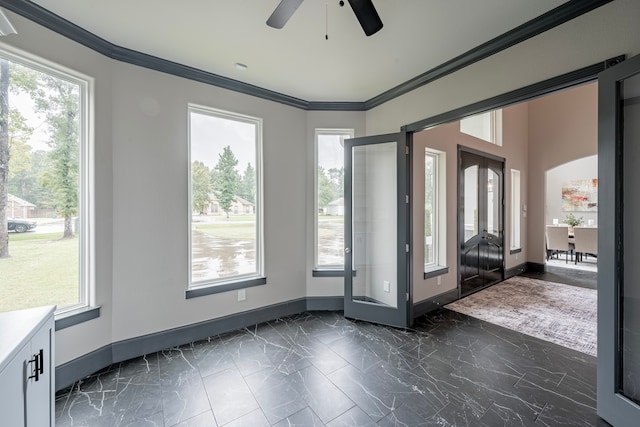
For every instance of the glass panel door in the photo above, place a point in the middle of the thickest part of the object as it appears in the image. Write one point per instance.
(618, 248)
(376, 230)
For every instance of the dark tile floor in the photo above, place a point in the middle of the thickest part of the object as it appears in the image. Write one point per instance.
(320, 369)
(568, 276)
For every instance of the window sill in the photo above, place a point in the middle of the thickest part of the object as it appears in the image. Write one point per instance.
(318, 272)
(224, 287)
(75, 317)
(515, 251)
(435, 271)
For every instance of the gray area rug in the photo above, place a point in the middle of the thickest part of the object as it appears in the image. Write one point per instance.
(562, 314)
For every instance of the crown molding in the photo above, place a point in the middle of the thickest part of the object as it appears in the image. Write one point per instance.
(532, 28)
(561, 14)
(564, 81)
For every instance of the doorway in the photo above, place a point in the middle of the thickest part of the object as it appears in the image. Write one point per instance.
(480, 220)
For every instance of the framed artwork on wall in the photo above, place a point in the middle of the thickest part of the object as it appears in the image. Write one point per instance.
(580, 195)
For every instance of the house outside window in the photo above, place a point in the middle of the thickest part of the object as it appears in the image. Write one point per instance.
(45, 196)
(225, 202)
(329, 198)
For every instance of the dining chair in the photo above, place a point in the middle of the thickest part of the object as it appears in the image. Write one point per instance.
(558, 239)
(585, 241)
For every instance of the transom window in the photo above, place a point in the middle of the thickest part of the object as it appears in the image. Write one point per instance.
(225, 197)
(486, 126)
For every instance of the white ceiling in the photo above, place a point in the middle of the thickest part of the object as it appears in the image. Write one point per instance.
(214, 35)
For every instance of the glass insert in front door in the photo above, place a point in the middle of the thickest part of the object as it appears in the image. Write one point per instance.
(480, 221)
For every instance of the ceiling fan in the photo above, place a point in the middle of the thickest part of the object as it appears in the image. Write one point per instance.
(363, 9)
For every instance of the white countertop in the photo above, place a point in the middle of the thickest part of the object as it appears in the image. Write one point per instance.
(18, 327)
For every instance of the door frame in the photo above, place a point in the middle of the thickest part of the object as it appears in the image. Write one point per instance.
(611, 404)
(460, 219)
(401, 316)
(564, 81)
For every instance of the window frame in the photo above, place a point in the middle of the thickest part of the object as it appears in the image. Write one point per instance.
(515, 238)
(429, 265)
(324, 270)
(439, 227)
(86, 308)
(240, 281)
(495, 126)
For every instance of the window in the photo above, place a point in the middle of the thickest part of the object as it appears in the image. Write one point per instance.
(434, 210)
(44, 198)
(225, 199)
(515, 209)
(329, 198)
(486, 126)
(430, 209)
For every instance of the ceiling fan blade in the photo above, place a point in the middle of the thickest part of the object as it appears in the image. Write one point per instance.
(283, 12)
(367, 15)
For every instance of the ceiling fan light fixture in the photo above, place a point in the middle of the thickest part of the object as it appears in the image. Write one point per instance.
(367, 16)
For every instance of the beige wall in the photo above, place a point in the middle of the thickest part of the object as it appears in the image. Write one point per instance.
(446, 138)
(562, 127)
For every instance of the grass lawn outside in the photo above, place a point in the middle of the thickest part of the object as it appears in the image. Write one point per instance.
(236, 227)
(42, 270)
(330, 226)
(235, 231)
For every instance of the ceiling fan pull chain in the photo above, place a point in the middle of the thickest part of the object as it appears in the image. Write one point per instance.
(326, 21)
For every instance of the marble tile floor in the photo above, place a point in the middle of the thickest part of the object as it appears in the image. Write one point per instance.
(568, 276)
(320, 369)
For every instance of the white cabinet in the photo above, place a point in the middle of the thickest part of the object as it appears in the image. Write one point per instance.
(27, 368)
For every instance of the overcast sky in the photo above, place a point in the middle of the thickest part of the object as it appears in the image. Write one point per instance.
(23, 103)
(209, 136)
(330, 152)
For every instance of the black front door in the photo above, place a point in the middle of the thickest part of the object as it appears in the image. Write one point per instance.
(480, 220)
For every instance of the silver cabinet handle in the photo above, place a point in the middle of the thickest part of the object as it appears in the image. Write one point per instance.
(347, 250)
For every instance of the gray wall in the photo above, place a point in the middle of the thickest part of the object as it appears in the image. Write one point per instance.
(140, 173)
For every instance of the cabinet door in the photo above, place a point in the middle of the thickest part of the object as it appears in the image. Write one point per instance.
(13, 386)
(39, 402)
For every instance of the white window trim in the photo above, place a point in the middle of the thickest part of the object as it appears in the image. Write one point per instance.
(440, 213)
(516, 220)
(241, 280)
(86, 184)
(436, 217)
(495, 127)
(347, 133)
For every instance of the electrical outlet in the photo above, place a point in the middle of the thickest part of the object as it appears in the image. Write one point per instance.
(387, 286)
(242, 294)
(516, 257)
(439, 280)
